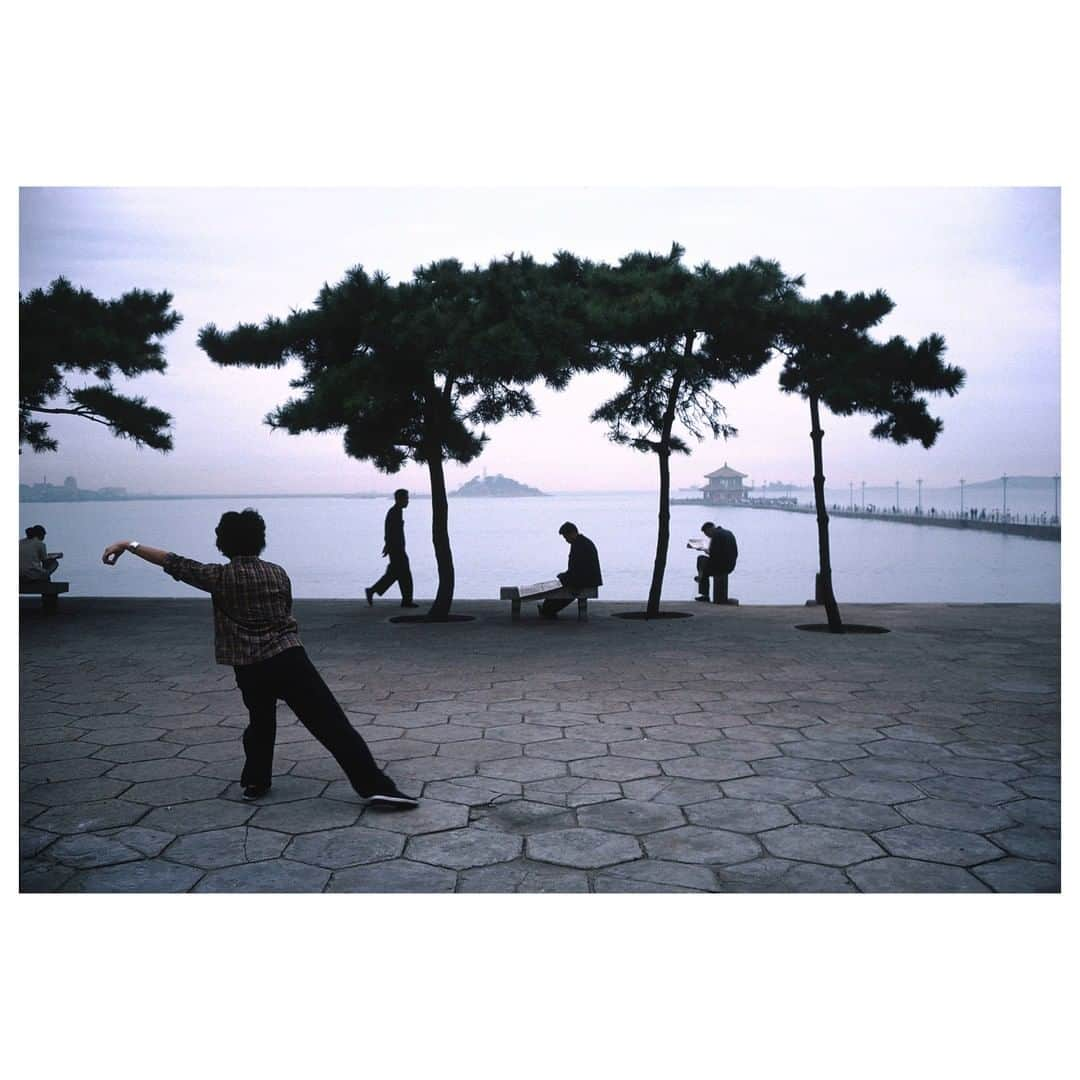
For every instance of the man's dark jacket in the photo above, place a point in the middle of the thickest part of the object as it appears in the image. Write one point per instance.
(583, 568)
(394, 532)
(723, 551)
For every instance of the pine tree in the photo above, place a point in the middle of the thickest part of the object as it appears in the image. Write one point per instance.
(418, 370)
(674, 334)
(66, 332)
(831, 360)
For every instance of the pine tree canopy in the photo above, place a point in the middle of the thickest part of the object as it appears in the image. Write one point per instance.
(674, 333)
(65, 333)
(421, 368)
(829, 355)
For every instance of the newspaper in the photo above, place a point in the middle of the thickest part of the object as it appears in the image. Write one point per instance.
(538, 588)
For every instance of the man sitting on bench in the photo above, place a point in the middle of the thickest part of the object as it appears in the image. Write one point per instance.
(35, 562)
(582, 569)
(722, 555)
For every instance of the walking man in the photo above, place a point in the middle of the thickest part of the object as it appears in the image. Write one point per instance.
(721, 559)
(255, 633)
(582, 568)
(394, 549)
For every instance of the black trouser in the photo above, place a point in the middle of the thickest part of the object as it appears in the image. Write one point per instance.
(553, 607)
(291, 677)
(398, 571)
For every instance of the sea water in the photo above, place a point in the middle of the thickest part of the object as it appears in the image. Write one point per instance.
(331, 548)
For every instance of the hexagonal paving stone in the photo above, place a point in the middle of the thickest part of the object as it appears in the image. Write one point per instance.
(521, 817)
(1035, 812)
(968, 789)
(1040, 787)
(337, 849)
(481, 750)
(86, 850)
(89, 817)
(193, 817)
(227, 847)
(146, 876)
(738, 749)
(470, 790)
(272, 876)
(522, 769)
(33, 841)
(52, 772)
(401, 749)
(654, 875)
(582, 848)
(695, 844)
(799, 768)
(739, 815)
(982, 770)
(154, 769)
(431, 815)
(1030, 842)
(651, 749)
(891, 875)
(992, 751)
(567, 749)
(820, 844)
(394, 876)
(523, 876)
(148, 842)
(938, 845)
(614, 767)
(1013, 875)
(523, 733)
(137, 751)
(177, 790)
(463, 848)
(869, 790)
(67, 792)
(672, 791)
(878, 768)
(944, 814)
(55, 751)
(715, 769)
(306, 815)
(771, 789)
(629, 816)
(823, 750)
(847, 814)
(42, 876)
(289, 788)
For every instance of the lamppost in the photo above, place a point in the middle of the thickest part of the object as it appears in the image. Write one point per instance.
(1056, 479)
(919, 482)
(851, 495)
(961, 496)
(1004, 495)
(898, 496)
(864, 496)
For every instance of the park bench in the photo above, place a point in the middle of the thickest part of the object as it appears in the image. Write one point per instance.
(553, 591)
(47, 590)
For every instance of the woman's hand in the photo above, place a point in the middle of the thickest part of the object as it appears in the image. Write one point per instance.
(113, 552)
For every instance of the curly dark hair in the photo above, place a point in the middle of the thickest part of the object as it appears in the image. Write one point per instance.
(241, 533)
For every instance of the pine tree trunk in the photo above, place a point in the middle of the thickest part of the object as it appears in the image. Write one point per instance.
(824, 589)
(440, 539)
(663, 527)
(663, 535)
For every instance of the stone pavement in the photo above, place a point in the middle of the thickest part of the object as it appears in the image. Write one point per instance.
(727, 752)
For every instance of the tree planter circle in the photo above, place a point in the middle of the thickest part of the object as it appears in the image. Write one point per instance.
(847, 628)
(644, 616)
(429, 619)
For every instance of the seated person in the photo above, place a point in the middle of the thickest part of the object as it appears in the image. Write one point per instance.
(723, 553)
(35, 563)
(582, 569)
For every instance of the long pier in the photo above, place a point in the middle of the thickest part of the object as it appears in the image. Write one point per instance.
(1008, 528)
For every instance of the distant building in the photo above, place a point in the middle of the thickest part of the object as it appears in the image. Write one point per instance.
(70, 483)
(725, 486)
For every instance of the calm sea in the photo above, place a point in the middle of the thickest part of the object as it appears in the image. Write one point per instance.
(331, 547)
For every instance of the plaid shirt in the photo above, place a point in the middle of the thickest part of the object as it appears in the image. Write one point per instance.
(252, 606)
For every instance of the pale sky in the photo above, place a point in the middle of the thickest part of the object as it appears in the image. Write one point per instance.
(979, 265)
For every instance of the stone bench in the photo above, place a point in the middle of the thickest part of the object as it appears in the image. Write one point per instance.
(514, 595)
(720, 590)
(47, 590)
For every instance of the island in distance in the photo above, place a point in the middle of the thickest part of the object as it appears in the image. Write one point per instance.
(495, 487)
